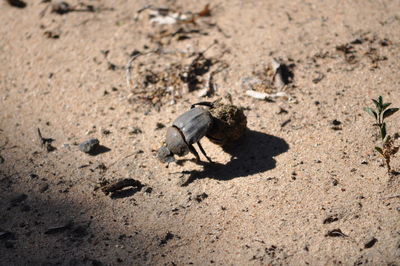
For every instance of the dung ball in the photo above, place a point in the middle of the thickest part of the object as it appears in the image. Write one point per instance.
(229, 123)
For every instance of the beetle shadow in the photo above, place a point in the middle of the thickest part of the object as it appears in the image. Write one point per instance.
(253, 154)
(99, 150)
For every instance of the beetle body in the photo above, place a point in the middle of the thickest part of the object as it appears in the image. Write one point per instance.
(194, 124)
(188, 129)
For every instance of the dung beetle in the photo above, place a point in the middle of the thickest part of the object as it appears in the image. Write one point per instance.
(188, 129)
(220, 123)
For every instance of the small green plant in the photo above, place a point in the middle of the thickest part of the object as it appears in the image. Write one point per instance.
(380, 114)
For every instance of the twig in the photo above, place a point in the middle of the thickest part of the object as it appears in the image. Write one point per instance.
(121, 159)
(41, 139)
(392, 197)
(211, 85)
(45, 142)
(209, 47)
(222, 31)
(42, 13)
(151, 7)
(128, 66)
(144, 8)
(265, 96)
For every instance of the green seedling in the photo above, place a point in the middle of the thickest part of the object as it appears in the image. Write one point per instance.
(381, 113)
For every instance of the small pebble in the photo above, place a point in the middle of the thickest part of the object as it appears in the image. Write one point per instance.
(89, 145)
(281, 111)
(135, 130)
(33, 176)
(106, 132)
(336, 125)
(159, 125)
(60, 7)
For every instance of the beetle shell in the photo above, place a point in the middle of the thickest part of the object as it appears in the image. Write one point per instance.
(194, 124)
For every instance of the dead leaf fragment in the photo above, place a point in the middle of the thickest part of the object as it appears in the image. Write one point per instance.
(206, 12)
(336, 233)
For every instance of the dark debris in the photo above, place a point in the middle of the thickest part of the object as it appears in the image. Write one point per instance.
(371, 243)
(330, 219)
(336, 233)
(169, 236)
(199, 198)
(117, 187)
(16, 3)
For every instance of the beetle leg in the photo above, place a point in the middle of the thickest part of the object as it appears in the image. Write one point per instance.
(209, 104)
(204, 152)
(193, 150)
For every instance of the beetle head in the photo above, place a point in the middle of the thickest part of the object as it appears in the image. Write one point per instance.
(165, 155)
(175, 142)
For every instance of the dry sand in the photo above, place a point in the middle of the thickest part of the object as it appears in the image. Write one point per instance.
(296, 190)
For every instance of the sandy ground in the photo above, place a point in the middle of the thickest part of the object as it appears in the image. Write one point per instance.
(299, 188)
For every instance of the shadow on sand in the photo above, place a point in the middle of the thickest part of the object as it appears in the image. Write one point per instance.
(251, 155)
